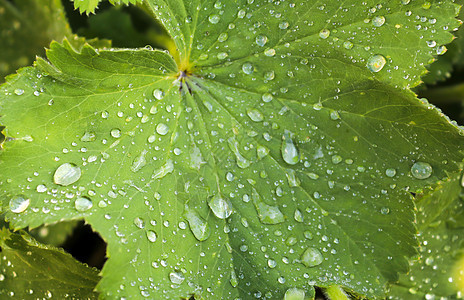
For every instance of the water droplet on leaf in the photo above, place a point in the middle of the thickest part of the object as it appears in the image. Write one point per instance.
(311, 257)
(198, 225)
(67, 174)
(247, 68)
(421, 170)
(151, 236)
(176, 277)
(255, 115)
(221, 206)
(294, 294)
(267, 214)
(376, 62)
(288, 149)
(19, 203)
(324, 33)
(378, 21)
(83, 204)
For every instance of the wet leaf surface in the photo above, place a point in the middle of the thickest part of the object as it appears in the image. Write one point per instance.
(275, 150)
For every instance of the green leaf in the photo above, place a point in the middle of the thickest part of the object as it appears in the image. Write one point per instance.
(29, 269)
(441, 222)
(26, 28)
(227, 170)
(441, 69)
(54, 234)
(89, 6)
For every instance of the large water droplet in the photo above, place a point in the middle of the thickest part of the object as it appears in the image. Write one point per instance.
(292, 178)
(262, 151)
(176, 277)
(376, 62)
(151, 236)
(378, 21)
(288, 149)
(261, 40)
(88, 137)
(255, 115)
(139, 222)
(19, 203)
(167, 168)
(233, 279)
(67, 174)
(311, 257)
(267, 214)
(162, 128)
(298, 216)
(214, 19)
(83, 204)
(324, 33)
(294, 294)
(390, 172)
(198, 225)
(139, 161)
(158, 94)
(221, 206)
(242, 162)
(247, 68)
(421, 170)
(196, 160)
(19, 92)
(116, 133)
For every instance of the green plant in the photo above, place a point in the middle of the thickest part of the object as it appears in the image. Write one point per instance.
(275, 147)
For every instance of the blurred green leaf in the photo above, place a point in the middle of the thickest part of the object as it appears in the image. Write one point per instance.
(32, 270)
(26, 28)
(441, 223)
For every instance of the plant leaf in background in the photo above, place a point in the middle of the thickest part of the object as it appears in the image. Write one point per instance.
(439, 271)
(31, 270)
(274, 152)
(89, 6)
(26, 28)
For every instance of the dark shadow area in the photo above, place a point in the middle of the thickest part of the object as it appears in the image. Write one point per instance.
(86, 246)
